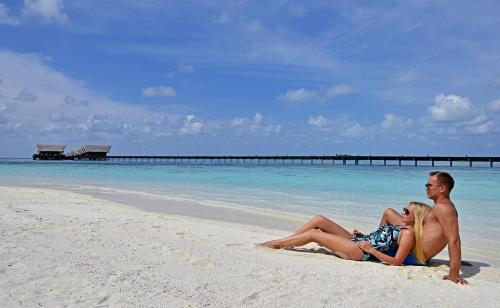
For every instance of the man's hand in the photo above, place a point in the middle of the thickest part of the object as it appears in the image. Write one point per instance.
(455, 279)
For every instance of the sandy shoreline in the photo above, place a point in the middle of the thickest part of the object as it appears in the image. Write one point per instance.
(60, 248)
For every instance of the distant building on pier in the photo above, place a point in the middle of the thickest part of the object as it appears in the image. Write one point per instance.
(84, 152)
(49, 152)
(89, 152)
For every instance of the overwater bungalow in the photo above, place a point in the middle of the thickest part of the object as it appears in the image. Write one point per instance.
(49, 152)
(89, 152)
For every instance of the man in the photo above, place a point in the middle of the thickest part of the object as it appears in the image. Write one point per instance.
(440, 226)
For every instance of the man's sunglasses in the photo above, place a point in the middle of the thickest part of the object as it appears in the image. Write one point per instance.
(406, 211)
(428, 185)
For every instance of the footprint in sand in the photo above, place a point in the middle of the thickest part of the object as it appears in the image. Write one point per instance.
(254, 296)
(420, 274)
(104, 298)
(203, 263)
(234, 244)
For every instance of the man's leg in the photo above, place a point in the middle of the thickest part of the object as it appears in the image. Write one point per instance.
(391, 217)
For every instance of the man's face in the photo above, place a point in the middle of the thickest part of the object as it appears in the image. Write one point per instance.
(432, 187)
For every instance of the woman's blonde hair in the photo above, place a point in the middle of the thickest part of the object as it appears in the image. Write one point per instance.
(420, 210)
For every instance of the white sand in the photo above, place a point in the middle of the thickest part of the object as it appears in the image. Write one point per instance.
(59, 248)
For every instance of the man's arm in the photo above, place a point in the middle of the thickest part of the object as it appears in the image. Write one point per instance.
(448, 220)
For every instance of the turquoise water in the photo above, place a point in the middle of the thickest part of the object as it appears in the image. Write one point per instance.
(354, 193)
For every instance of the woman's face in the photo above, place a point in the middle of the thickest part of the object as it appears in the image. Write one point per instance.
(408, 214)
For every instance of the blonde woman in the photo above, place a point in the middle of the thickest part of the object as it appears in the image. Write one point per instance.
(392, 244)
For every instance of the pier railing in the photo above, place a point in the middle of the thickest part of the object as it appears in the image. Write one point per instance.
(311, 159)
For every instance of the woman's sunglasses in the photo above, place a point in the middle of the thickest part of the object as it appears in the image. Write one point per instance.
(406, 211)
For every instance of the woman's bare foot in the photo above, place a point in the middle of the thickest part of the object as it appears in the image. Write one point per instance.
(274, 244)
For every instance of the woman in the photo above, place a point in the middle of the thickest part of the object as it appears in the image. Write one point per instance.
(390, 243)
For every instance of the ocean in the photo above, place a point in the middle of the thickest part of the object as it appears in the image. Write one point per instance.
(355, 193)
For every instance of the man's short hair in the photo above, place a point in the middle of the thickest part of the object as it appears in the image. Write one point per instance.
(444, 178)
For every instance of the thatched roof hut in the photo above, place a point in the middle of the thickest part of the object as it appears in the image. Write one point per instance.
(53, 148)
(90, 151)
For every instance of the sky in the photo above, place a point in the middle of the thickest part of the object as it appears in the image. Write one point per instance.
(251, 77)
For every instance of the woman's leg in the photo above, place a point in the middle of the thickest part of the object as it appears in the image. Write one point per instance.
(391, 217)
(317, 222)
(325, 225)
(338, 244)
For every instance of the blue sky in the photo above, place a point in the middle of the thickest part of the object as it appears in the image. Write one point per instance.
(251, 77)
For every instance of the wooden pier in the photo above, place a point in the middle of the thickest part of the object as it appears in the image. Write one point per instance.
(297, 159)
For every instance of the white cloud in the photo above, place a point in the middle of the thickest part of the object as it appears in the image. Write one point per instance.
(65, 109)
(405, 77)
(297, 10)
(25, 96)
(338, 90)
(103, 123)
(257, 119)
(164, 91)
(278, 45)
(5, 18)
(185, 68)
(304, 96)
(69, 100)
(451, 108)
(481, 124)
(256, 126)
(238, 122)
(191, 126)
(338, 127)
(393, 121)
(346, 127)
(483, 128)
(462, 119)
(58, 116)
(455, 116)
(298, 96)
(48, 10)
(355, 130)
(319, 121)
(494, 105)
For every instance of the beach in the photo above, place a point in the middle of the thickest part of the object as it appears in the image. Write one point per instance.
(61, 248)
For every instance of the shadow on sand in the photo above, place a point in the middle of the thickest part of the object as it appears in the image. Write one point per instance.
(469, 268)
